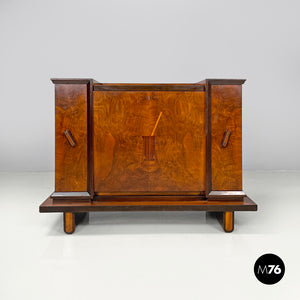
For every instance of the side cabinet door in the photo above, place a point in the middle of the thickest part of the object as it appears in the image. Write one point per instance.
(226, 140)
(70, 138)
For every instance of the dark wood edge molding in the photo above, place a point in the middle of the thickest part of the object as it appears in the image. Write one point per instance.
(148, 194)
(71, 195)
(90, 148)
(71, 80)
(49, 205)
(208, 176)
(214, 81)
(199, 86)
(149, 87)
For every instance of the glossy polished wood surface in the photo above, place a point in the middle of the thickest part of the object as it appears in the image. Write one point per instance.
(69, 222)
(228, 221)
(70, 148)
(149, 142)
(148, 147)
(226, 116)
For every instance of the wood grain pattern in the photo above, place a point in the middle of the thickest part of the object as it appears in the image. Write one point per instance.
(70, 114)
(148, 147)
(128, 159)
(69, 222)
(226, 114)
(228, 221)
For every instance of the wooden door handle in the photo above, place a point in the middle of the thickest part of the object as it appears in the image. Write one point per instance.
(69, 138)
(226, 138)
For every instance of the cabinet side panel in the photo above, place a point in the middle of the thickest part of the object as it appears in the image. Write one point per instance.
(70, 137)
(226, 137)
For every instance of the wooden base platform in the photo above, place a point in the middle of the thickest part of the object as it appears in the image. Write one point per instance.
(72, 208)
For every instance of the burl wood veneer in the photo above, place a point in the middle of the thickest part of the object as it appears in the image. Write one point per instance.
(148, 147)
(130, 157)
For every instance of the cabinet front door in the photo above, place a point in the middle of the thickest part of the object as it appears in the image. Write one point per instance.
(149, 142)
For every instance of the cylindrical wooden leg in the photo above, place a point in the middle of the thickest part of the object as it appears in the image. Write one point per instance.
(228, 221)
(69, 222)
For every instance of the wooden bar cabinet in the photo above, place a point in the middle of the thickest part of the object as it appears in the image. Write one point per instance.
(148, 147)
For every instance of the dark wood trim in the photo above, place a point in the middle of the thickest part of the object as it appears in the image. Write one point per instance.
(142, 204)
(143, 193)
(208, 137)
(214, 81)
(71, 195)
(90, 154)
(149, 87)
(71, 80)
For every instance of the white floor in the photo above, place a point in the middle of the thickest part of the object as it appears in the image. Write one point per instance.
(147, 255)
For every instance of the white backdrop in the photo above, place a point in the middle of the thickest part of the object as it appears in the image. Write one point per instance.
(150, 41)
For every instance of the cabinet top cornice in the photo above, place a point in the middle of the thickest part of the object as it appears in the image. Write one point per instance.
(198, 86)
